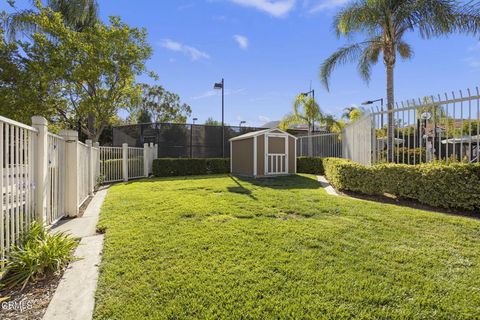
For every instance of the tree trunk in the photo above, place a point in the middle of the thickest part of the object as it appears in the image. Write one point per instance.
(390, 107)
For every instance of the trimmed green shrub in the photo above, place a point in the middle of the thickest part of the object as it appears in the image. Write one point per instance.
(218, 165)
(168, 167)
(453, 186)
(406, 155)
(38, 254)
(312, 165)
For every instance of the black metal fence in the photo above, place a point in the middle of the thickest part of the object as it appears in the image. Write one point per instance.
(180, 140)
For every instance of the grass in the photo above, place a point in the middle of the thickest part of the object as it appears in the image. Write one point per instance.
(220, 247)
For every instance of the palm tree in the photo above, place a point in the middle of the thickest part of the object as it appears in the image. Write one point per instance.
(353, 113)
(307, 111)
(77, 15)
(386, 22)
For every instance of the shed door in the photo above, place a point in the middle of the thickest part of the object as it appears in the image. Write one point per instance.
(276, 157)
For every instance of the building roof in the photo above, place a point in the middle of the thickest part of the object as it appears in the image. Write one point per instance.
(299, 127)
(259, 133)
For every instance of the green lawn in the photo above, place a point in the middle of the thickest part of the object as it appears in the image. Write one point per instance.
(220, 247)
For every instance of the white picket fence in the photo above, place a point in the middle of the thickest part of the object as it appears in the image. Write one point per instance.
(44, 177)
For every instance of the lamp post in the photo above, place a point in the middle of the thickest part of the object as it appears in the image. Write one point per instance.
(194, 119)
(218, 86)
(381, 107)
(242, 122)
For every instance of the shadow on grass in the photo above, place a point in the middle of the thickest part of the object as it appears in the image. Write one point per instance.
(283, 182)
(240, 189)
(178, 178)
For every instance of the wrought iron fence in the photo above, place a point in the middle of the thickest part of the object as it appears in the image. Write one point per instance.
(443, 127)
(320, 145)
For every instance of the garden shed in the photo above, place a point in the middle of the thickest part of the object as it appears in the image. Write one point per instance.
(263, 153)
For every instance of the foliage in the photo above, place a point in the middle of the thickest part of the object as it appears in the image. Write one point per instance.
(166, 167)
(68, 76)
(160, 105)
(221, 247)
(211, 122)
(406, 155)
(386, 24)
(312, 165)
(455, 186)
(38, 254)
(353, 113)
(306, 111)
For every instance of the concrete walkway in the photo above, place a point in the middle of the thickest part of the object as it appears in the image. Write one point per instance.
(74, 298)
(327, 186)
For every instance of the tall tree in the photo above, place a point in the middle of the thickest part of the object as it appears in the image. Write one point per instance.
(386, 22)
(77, 74)
(306, 111)
(160, 105)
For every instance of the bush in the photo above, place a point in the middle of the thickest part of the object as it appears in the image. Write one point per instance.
(188, 167)
(406, 155)
(38, 254)
(312, 165)
(453, 186)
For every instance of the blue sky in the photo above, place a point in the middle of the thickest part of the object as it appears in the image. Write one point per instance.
(270, 50)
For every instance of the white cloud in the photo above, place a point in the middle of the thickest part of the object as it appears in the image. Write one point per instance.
(192, 52)
(327, 5)
(276, 8)
(242, 41)
(211, 93)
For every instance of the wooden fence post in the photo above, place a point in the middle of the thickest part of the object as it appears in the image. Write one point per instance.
(125, 161)
(71, 172)
(41, 167)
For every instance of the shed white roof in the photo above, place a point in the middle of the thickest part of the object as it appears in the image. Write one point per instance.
(259, 133)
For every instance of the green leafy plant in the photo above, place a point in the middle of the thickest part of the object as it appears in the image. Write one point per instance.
(38, 254)
(453, 186)
(313, 165)
(167, 167)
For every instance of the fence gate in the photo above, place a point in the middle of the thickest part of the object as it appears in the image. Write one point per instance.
(357, 141)
(55, 183)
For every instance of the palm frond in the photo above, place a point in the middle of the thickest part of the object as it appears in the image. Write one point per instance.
(341, 56)
(404, 50)
(291, 119)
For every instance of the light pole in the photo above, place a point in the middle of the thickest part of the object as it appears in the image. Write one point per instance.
(381, 107)
(242, 122)
(194, 119)
(218, 86)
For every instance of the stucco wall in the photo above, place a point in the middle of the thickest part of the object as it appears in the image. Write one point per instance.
(242, 157)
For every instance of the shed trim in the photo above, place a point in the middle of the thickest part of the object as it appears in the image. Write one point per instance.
(254, 156)
(261, 132)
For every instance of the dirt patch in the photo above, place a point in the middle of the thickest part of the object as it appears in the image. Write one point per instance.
(29, 303)
(390, 199)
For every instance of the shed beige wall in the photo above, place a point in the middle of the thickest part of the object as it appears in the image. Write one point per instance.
(242, 157)
(261, 155)
(276, 145)
(292, 154)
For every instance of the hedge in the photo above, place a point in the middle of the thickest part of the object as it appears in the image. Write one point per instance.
(406, 155)
(453, 186)
(311, 165)
(168, 167)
